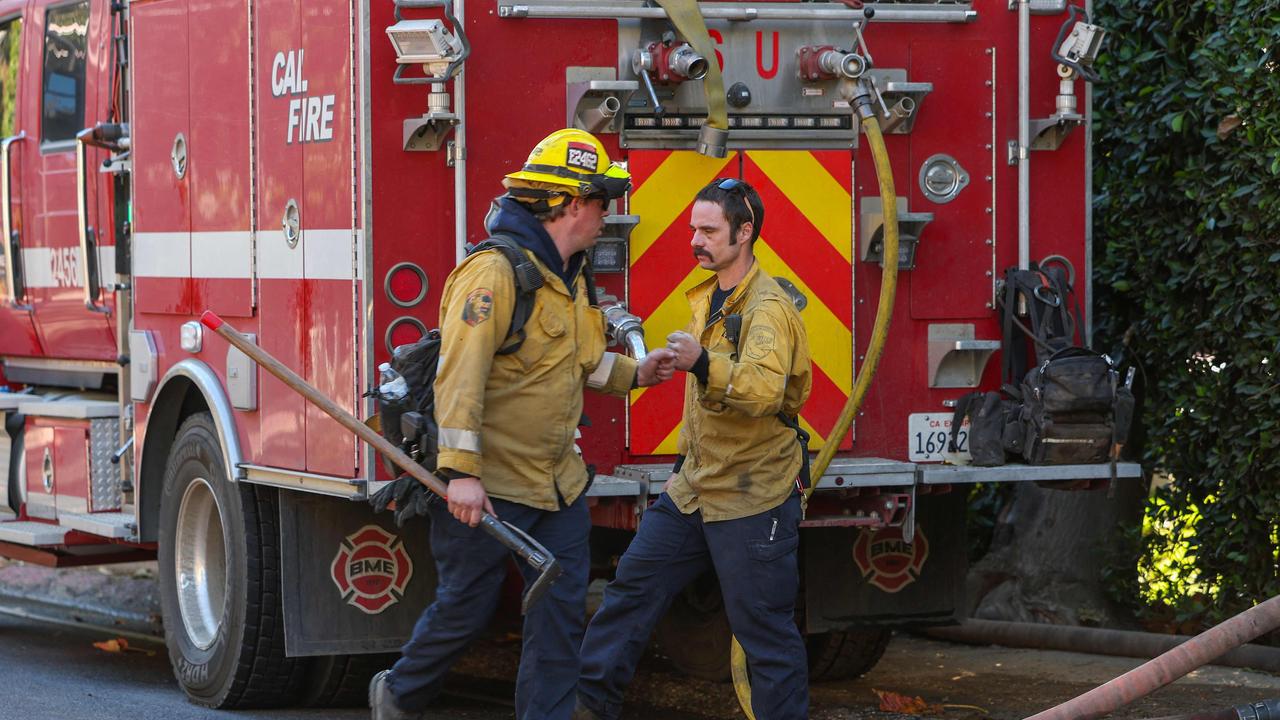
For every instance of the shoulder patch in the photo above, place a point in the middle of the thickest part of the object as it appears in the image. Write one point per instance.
(478, 307)
(760, 342)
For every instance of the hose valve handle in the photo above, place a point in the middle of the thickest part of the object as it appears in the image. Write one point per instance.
(641, 63)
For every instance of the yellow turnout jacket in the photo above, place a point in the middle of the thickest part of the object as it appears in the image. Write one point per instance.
(740, 459)
(510, 419)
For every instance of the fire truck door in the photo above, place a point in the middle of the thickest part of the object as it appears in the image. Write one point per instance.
(306, 230)
(284, 299)
(953, 278)
(323, 130)
(806, 243)
(218, 159)
(71, 42)
(162, 191)
(16, 327)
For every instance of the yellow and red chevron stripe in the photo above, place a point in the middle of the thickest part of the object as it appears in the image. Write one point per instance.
(807, 238)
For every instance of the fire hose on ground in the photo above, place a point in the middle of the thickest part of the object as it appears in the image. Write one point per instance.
(1095, 641)
(862, 102)
(1156, 673)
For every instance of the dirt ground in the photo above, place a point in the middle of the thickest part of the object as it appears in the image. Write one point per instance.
(961, 682)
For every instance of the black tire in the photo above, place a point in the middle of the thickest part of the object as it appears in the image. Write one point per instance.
(225, 633)
(845, 655)
(343, 680)
(694, 634)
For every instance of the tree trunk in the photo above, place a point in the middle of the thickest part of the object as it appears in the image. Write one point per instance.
(1048, 552)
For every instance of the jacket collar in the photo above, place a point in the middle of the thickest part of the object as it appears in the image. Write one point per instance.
(700, 295)
(513, 219)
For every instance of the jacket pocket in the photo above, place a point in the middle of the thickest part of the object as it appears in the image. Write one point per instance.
(536, 337)
(770, 550)
(591, 340)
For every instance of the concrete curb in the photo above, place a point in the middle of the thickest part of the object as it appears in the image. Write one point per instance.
(108, 600)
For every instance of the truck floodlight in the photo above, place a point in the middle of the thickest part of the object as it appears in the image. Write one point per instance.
(425, 42)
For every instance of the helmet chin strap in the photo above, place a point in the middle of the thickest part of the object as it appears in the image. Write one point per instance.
(538, 201)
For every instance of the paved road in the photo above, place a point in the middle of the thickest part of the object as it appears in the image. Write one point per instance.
(53, 672)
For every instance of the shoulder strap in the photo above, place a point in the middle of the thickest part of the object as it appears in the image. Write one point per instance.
(733, 333)
(589, 276)
(527, 278)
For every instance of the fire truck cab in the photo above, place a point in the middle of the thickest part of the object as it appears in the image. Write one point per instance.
(312, 171)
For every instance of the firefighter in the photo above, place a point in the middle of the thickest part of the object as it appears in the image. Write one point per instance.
(732, 504)
(507, 425)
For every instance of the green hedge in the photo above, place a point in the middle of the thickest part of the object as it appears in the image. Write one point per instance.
(1187, 271)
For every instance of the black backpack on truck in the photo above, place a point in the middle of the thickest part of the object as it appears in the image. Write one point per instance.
(1067, 408)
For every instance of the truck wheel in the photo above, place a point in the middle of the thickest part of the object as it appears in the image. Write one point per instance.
(343, 680)
(695, 634)
(219, 580)
(845, 655)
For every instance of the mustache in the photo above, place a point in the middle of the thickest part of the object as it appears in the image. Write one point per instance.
(703, 253)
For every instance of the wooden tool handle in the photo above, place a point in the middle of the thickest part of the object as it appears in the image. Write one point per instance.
(330, 408)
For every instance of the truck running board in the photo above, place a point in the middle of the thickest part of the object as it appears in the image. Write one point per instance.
(32, 533)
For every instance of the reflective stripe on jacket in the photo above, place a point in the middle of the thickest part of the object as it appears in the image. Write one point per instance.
(510, 419)
(740, 459)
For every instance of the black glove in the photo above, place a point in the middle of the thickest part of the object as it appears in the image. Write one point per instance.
(411, 498)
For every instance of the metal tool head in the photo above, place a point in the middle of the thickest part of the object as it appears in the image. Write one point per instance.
(550, 573)
(530, 551)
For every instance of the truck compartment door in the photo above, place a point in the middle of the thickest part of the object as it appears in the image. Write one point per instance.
(162, 184)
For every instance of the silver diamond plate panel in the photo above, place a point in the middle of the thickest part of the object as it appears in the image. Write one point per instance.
(106, 487)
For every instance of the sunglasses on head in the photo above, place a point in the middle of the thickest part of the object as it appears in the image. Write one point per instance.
(731, 184)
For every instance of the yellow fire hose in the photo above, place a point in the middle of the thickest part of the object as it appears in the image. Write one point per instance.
(879, 333)
(687, 18)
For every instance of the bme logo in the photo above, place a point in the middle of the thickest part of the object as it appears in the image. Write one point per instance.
(583, 157)
(371, 569)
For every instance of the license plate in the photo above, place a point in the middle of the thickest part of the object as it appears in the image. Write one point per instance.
(928, 434)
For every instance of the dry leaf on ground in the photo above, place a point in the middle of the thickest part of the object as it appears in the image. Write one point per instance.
(895, 702)
(113, 645)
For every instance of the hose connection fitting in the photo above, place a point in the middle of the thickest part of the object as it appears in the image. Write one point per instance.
(825, 62)
(862, 97)
(713, 141)
(624, 328)
(670, 63)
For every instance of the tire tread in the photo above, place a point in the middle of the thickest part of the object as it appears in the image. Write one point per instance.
(846, 655)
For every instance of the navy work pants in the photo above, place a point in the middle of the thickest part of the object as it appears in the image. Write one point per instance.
(755, 559)
(471, 566)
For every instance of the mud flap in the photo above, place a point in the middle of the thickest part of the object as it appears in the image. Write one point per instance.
(860, 577)
(352, 581)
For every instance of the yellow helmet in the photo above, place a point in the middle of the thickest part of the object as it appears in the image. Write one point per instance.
(568, 161)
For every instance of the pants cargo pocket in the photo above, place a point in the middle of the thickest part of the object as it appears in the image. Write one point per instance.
(774, 572)
(770, 550)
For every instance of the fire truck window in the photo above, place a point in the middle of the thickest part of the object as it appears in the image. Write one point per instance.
(10, 50)
(65, 50)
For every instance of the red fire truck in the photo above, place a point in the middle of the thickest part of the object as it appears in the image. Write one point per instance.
(312, 171)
